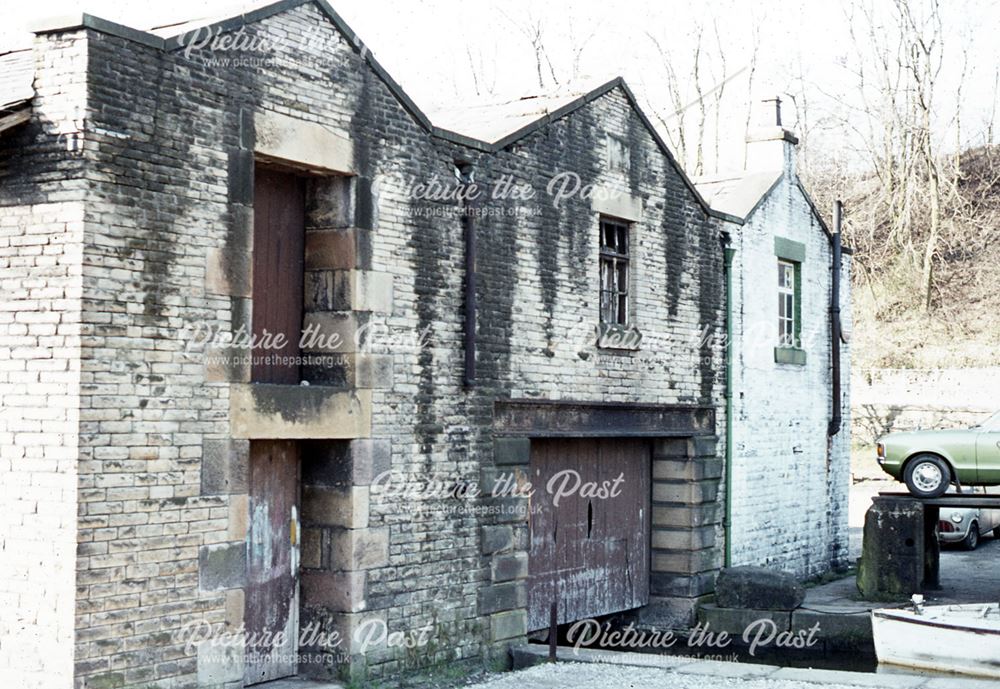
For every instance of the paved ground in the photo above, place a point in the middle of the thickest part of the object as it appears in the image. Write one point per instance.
(605, 670)
(966, 577)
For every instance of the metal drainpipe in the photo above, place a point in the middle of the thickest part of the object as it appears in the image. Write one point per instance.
(727, 524)
(469, 227)
(835, 333)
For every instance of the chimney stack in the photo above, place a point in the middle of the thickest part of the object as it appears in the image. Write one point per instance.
(770, 146)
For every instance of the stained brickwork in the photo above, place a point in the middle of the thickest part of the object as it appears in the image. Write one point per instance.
(155, 233)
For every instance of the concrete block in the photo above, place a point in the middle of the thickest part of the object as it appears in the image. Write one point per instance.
(345, 463)
(331, 249)
(235, 608)
(222, 566)
(617, 203)
(685, 562)
(496, 538)
(511, 595)
(295, 411)
(239, 517)
(681, 539)
(508, 625)
(687, 469)
(686, 515)
(219, 662)
(335, 506)
(356, 549)
(301, 143)
(224, 466)
(689, 492)
(736, 620)
(334, 332)
(330, 202)
(311, 552)
(229, 272)
(335, 591)
(509, 567)
(685, 585)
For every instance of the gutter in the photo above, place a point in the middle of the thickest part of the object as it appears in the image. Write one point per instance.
(727, 523)
(835, 330)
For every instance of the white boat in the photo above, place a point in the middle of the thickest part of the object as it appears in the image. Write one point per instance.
(963, 639)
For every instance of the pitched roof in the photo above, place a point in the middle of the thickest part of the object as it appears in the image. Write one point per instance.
(494, 121)
(489, 132)
(737, 193)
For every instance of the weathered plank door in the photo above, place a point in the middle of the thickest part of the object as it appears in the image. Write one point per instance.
(588, 554)
(272, 593)
(278, 257)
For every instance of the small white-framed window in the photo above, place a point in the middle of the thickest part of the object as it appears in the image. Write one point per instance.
(787, 298)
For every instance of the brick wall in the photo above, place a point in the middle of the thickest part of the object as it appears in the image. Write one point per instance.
(169, 147)
(42, 194)
(790, 483)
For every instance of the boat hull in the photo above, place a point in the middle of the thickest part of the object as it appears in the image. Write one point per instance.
(959, 643)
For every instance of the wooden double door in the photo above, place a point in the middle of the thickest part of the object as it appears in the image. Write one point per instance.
(589, 554)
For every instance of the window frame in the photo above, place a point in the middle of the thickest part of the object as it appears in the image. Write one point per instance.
(788, 313)
(615, 258)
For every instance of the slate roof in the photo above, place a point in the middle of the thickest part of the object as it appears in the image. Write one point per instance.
(495, 121)
(17, 73)
(737, 193)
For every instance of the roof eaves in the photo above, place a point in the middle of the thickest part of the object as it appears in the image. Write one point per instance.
(763, 197)
(558, 113)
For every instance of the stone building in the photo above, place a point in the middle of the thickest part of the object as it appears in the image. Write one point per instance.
(791, 455)
(503, 332)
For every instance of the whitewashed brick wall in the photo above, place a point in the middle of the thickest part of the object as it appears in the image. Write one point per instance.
(789, 481)
(40, 285)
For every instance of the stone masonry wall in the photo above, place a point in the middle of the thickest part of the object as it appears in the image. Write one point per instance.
(889, 400)
(789, 482)
(42, 192)
(162, 485)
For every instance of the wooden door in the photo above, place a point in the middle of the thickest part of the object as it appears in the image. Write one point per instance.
(278, 257)
(272, 593)
(589, 554)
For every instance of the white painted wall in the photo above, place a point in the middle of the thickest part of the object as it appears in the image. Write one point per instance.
(790, 483)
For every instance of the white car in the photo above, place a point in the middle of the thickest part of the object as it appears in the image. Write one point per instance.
(967, 524)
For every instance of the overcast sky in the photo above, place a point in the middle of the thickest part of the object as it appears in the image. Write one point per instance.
(448, 51)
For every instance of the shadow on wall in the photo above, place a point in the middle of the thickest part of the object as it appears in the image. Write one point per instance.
(893, 400)
(871, 421)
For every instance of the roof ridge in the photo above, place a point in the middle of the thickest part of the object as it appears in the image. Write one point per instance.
(241, 19)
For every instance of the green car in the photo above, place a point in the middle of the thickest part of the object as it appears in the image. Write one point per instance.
(929, 461)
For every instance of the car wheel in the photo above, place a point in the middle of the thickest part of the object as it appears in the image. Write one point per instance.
(971, 541)
(927, 476)
(996, 532)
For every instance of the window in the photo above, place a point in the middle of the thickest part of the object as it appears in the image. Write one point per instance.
(614, 271)
(787, 304)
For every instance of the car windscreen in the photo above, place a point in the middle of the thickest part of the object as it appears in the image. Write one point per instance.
(991, 424)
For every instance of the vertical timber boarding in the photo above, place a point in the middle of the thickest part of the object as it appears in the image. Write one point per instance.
(272, 594)
(588, 554)
(278, 257)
